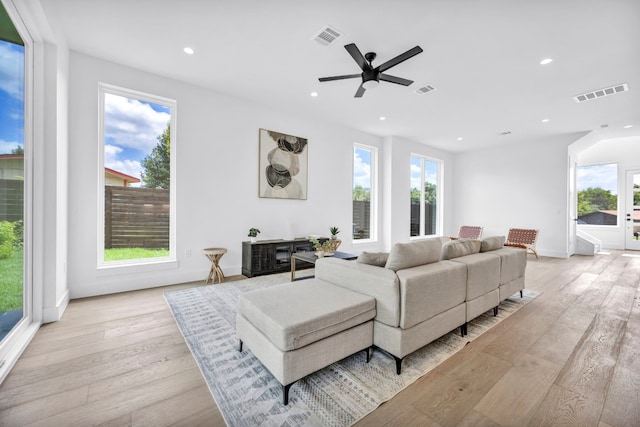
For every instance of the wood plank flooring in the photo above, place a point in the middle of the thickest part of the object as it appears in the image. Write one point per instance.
(570, 357)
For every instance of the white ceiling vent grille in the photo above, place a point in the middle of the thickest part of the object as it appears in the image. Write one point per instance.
(425, 89)
(327, 36)
(600, 93)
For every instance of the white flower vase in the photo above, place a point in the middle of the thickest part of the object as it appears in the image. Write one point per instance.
(253, 239)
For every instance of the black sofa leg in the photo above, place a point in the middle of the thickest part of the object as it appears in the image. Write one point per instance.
(398, 365)
(520, 293)
(495, 311)
(240, 347)
(463, 330)
(369, 351)
(285, 394)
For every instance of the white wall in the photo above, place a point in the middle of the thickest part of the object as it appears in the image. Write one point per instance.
(521, 185)
(626, 153)
(217, 181)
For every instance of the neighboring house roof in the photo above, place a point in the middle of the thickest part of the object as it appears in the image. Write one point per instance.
(108, 171)
(636, 214)
(121, 175)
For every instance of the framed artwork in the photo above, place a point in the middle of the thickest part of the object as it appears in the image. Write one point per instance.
(283, 166)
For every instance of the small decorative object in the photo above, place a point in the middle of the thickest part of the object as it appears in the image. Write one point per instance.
(283, 166)
(334, 232)
(323, 249)
(253, 233)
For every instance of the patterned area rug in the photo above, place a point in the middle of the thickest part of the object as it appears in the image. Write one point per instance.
(338, 395)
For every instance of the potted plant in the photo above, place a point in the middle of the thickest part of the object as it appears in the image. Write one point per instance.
(334, 232)
(326, 248)
(253, 233)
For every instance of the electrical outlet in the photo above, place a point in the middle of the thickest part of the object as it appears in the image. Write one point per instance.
(187, 253)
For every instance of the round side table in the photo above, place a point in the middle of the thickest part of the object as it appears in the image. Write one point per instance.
(214, 255)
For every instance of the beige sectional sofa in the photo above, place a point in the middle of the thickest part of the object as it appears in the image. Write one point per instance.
(425, 289)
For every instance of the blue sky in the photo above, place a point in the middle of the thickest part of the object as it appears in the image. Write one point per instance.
(430, 175)
(11, 97)
(597, 176)
(131, 130)
(362, 167)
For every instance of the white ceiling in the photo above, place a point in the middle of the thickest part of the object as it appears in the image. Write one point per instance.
(481, 55)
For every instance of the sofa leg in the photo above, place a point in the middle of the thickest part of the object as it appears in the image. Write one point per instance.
(463, 330)
(520, 293)
(398, 364)
(495, 311)
(285, 394)
(369, 351)
(240, 347)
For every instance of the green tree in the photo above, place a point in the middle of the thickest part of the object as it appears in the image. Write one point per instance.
(596, 199)
(18, 150)
(361, 194)
(156, 173)
(430, 193)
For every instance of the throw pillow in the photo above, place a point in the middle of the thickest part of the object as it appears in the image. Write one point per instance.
(418, 252)
(458, 248)
(373, 258)
(491, 243)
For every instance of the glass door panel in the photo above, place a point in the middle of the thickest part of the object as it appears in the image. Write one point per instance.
(632, 213)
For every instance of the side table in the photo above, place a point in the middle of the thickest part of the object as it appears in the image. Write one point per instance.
(214, 255)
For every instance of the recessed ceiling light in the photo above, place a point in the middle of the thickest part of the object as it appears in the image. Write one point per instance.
(545, 120)
(383, 118)
(188, 51)
(459, 138)
(628, 126)
(314, 94)
(546, 61)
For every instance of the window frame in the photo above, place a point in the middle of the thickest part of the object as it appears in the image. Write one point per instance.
(105, 88)
(439, 195)
(373, 195)
(619, 222)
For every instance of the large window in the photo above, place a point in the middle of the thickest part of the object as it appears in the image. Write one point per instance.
(597, 187)
(364, 192)
(137, 178)
(425, 196)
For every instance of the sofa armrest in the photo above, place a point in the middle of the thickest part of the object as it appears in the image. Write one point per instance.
(377, 282)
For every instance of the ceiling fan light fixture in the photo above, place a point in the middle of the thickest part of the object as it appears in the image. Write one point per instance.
(370, 84)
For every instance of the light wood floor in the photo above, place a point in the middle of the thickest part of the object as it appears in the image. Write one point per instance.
(572, 356)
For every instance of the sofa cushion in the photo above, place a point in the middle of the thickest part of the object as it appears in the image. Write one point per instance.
(418, 252)
(491, 243)
(373, 258)
(458, 248)
(293, 315)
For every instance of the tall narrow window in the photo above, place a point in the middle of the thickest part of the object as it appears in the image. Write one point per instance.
(364, 192)
(425, 196)
(137, 177)
(597, 187)
(15, 121)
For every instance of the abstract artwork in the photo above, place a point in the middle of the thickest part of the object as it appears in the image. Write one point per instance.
(283, 166)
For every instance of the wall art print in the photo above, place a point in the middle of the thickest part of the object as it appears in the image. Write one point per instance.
(283, 166)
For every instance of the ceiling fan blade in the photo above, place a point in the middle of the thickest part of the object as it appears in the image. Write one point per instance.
(394, 79)
(357, 56)
(346, 76)
(361, 90)
(400, 58)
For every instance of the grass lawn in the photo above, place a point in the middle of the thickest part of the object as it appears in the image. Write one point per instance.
(123, 254)
(11, 280)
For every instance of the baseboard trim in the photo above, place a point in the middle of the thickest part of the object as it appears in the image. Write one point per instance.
(53, 314)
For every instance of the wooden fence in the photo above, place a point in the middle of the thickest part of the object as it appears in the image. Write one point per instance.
(11, 200)
(136, 217)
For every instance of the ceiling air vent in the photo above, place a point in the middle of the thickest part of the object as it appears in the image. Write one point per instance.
(327, 36)
(600, 93)
(425, 89)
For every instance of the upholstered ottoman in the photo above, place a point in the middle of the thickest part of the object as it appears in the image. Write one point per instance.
(297, 328)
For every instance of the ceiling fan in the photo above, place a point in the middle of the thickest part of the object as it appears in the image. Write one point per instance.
(371, 76)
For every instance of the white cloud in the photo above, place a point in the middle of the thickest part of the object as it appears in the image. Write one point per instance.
(7, 146)
(132, 123)
(361, 172)
(12, 76)
(598, 176)
(111, 161)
